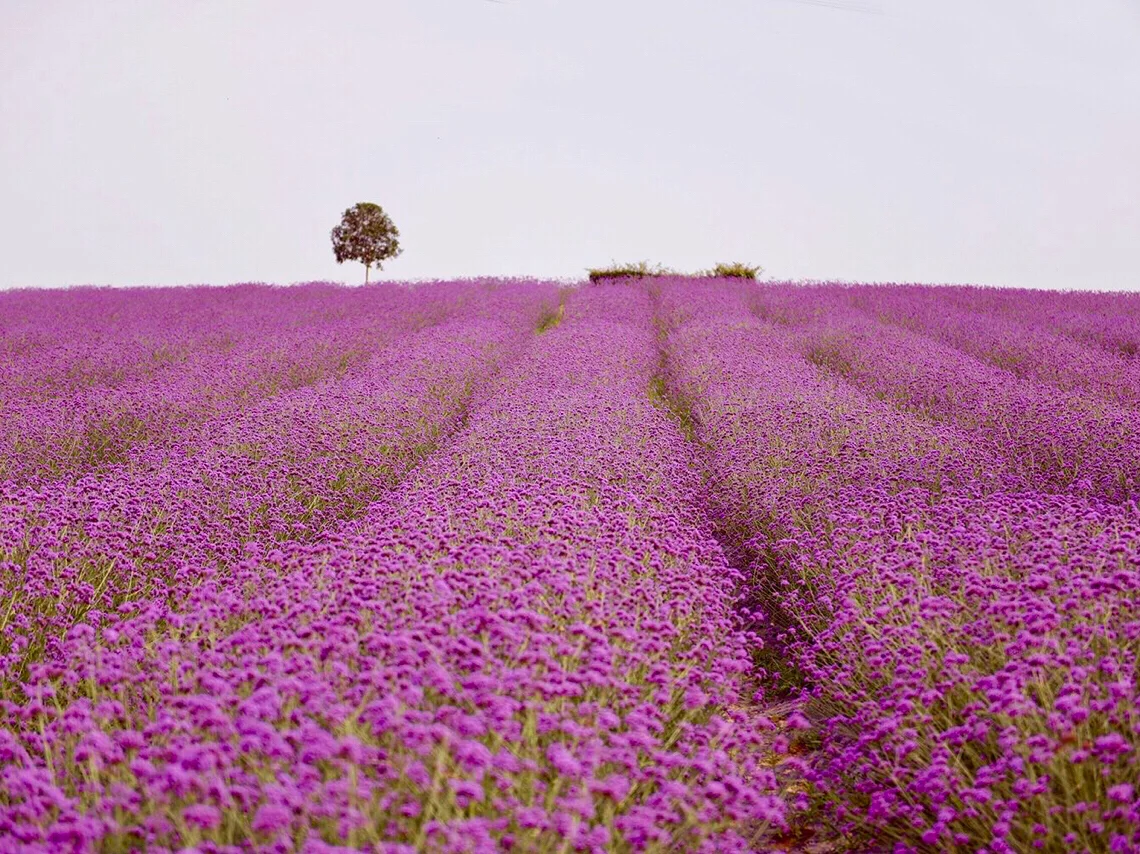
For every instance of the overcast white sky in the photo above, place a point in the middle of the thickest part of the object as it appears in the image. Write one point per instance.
(214, 141)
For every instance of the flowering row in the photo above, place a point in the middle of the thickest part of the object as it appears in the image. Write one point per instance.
(81, 408)
(1025, 347)
(530, 643)
(287, 469)
(1063, 415)
(478, 566)
(968, 637)
(60, 342)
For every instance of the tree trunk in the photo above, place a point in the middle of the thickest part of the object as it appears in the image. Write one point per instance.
(366, 266)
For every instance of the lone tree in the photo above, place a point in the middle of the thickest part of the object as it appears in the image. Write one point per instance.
(366, 234)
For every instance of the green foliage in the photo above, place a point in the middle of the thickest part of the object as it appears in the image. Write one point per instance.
(623, 271)
(734, 270)
(366, 234)
(642, 269)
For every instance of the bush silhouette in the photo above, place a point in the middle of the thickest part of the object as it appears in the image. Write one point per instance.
(623, 271)
(734, 270)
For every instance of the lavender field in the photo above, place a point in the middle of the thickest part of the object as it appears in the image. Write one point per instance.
(671, 565)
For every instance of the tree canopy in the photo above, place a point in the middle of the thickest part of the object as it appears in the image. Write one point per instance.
(366, 234)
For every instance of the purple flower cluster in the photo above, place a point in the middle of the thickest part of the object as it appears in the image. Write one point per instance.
(1108, 322)
(526, 641)
(669, 565)
(965, 622)
(1026, 345)
(124, 368)
(1065, 423)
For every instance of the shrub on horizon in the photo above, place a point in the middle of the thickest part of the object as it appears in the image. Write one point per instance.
(639, 269)
(642, 269)
(734, 270)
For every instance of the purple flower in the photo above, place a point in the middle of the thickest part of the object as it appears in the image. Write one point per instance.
(563, 761)
(204, 816)
(1121, 792)
(272, 818)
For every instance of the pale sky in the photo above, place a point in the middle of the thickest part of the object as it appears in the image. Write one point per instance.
(147, 142)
